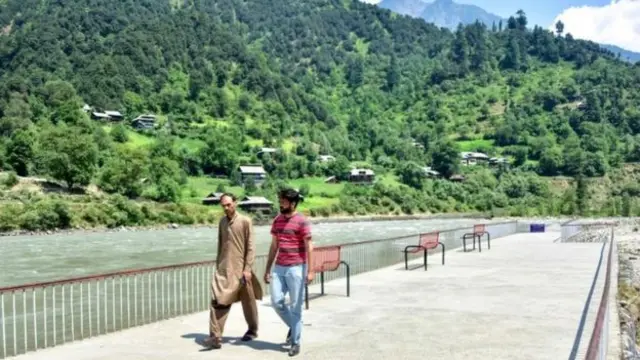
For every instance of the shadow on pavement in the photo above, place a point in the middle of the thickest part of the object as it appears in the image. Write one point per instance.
(235, 341)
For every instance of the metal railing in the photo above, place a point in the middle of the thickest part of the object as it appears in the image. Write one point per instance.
(594, 232)
(40, 315)
(598, 344)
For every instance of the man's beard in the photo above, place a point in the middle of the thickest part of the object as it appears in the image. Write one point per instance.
(285, 210)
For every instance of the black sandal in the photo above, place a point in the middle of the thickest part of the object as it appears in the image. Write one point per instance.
(249, 335)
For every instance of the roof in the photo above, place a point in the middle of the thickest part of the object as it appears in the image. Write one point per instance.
(99, 114)
(255, 200)
(214, 195)
(326, 157)
(474, 155)
(146, 117)
(113, 113)
(139, 119)
(252, 169)
(362, 172)
(430, 171)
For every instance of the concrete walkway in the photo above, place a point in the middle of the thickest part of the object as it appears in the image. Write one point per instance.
(520, 300)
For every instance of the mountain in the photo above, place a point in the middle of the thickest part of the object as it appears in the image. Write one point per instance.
(227, 78)
(443, 13)
(404, 7)
(627, 55)
(446, 13)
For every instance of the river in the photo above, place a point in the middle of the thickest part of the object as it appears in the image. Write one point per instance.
(26, 259)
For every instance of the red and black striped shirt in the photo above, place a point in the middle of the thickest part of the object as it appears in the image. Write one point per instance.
(291, 234)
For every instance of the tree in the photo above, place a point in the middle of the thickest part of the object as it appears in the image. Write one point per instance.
(392, 77)
(559, 27)
(460, 51)
(119, 133)
(355, 72)
(168, 179)
(582, 195)
(20, 151)
(123, 172)
(626, 204)
(411, 174)
(69, 154)
(445, 157)
(550, 162)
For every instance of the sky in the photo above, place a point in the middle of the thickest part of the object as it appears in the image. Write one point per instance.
(614, 22)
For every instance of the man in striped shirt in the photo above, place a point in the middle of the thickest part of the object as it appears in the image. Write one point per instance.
(291, 241)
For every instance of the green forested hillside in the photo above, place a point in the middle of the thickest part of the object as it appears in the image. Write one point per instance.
(319, 77)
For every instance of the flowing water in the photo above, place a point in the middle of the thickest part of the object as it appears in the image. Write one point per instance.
(27, 259)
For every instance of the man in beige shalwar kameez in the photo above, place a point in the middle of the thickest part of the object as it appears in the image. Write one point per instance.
(234, 279)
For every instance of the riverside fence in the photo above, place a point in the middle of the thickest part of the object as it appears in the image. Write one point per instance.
(592, 339)
(46, 314)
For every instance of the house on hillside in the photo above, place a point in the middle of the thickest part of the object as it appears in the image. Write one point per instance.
(457, 178)
(256, 204)
(498, 162)
(144, 122)
(114, 115)
(266, 150)
(253, 172)
(326, 158)
(86, 108)
(212, 199)
(417, 144)
(99, 116)
(473, 158)
(430, 173)
(362, 176)
(331, 180)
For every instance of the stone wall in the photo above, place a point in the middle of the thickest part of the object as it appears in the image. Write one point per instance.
(628, 240)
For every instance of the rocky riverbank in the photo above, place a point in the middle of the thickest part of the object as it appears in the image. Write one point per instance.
(628, 240)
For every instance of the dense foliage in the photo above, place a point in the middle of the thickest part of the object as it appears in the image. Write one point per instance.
(310, 78)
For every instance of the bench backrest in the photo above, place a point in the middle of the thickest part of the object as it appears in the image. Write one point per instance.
(429, 240)
(325, 258)
(478, 228)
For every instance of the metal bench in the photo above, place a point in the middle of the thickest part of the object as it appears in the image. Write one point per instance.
(326, 258)
(478, 231)
(426, 242)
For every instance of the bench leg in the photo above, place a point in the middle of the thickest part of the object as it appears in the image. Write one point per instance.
(322, 283)
(442, 253)
(406, 260)
(306, 297)
(348, 278)
(425, 259)
(464, 241)
(489, 240)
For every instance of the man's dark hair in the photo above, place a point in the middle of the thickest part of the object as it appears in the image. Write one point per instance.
(291, 194)
(233, 197)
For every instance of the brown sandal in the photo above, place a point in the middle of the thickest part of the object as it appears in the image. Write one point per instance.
(212, 342)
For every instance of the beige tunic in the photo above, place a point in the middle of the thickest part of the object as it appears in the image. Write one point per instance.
(236, 253)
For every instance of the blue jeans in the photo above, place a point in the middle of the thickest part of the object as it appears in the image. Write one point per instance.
(289, 279)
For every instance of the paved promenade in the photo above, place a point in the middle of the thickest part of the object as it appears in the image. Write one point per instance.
(520, 300)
